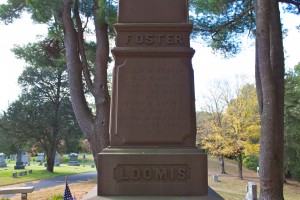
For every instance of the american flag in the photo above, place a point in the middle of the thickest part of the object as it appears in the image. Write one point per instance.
(67, 194)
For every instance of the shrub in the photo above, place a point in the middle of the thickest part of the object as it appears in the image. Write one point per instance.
(251, 162)
(56, 197)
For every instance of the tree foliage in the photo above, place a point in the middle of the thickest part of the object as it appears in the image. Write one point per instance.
(84, 26)
(43, 114)
(230, 124)
(243, 125)
(211, 124)
(222, 24)
(292, 122)
(243, 120)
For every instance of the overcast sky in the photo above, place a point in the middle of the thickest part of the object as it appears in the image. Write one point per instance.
(207, 66)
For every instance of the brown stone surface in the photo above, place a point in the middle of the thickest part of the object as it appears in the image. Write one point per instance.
(153, 171)
(153, 11)
(92, 195)
(154, 103)
(153, 35)
(152, 119)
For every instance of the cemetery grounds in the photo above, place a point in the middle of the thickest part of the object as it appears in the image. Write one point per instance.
(40, 172)
(228, 186)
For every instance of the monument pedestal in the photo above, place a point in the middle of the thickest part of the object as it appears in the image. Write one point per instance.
(152, 171)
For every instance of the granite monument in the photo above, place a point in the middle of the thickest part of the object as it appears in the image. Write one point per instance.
(152, 118)
(19, 163)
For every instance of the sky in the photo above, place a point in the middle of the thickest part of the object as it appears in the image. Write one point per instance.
(208, 67)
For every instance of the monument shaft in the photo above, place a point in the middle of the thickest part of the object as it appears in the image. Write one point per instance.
(152, 122)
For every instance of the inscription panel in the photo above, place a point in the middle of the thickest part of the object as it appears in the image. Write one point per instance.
(152, 173)
(157, 39)
(154, 101)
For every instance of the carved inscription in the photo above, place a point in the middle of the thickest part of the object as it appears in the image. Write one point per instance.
(155, 38)
(152, 173)
(154, 101)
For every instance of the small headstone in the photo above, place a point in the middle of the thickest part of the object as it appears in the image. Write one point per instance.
(73, 159)
(215, 177)
(25, 159)
(251, 191)
(19, 163)
(15, 175)
(13, 157)
(25, 173)
(20, 173)
(56, 159)
(40, 157)
(30, 171)
(2, 160)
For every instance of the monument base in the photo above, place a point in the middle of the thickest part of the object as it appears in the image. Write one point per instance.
(19, 167)
(74, 164)
(92, 195)
(152, 171)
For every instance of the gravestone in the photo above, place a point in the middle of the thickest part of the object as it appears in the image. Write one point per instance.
(73, 159)
(13, 156)
(40, 157)
(215, 177)
(83, 158)
(19, 163)
(15, 175)
(2, 160)
(56, 159)
(25, 159)
(251, 191)
(152, 119)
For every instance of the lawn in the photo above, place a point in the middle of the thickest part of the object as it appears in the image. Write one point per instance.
(230, 188)
(40, 172)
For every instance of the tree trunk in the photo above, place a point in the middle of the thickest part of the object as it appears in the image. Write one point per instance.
(270, 90)
(277, 60)
(94, 127)
(222, 164)
(51, 156)
(240, 166)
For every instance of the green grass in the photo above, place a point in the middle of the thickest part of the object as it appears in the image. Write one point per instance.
(40, 172)
(231, 188)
